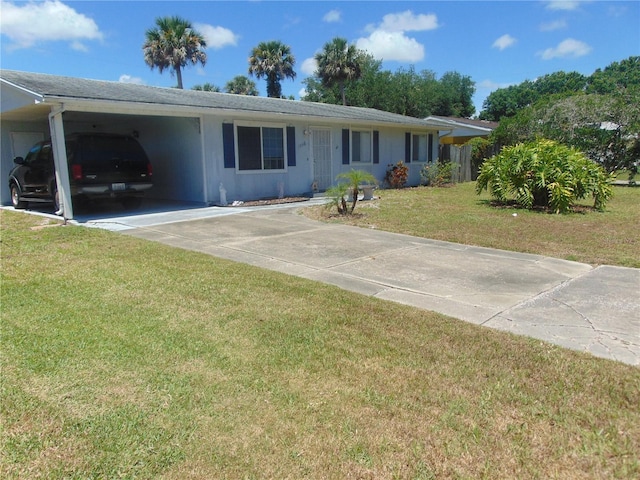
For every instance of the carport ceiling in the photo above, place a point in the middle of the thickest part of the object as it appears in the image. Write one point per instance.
(40, 113)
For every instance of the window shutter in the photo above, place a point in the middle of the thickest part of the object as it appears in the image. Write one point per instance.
(345, 146)
(228, 146)
(376, 146)
(291, 146)
(407, 147)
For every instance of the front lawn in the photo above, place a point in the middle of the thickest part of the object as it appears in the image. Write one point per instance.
(457, 214)
(123, 358)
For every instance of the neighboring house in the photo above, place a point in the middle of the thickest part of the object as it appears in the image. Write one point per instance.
(202, 142)
(461, 130)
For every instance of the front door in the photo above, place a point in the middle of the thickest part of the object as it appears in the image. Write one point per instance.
(321, 141)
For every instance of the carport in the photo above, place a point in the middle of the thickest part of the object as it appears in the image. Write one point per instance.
(170, 134)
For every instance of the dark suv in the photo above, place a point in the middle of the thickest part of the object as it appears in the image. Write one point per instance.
(101, 165)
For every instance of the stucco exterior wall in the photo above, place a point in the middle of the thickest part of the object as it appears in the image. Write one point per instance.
(298, 179)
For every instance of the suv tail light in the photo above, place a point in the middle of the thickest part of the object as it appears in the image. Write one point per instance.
(149, 169)
(76, 172)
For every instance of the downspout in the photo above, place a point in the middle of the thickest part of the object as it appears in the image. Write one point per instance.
(205, 185)
(56, 127)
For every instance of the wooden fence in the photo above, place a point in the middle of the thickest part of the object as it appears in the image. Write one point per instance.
(466, 171)
(461, 156)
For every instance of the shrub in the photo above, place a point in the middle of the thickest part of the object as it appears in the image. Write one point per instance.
(396, 176)
(546, 174)
(481, 149)
(437, 174)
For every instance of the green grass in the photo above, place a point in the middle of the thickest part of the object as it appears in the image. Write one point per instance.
(457, 214)
(128, 359)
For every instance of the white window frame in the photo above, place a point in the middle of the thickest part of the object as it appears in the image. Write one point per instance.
(360, 131)
(260, 125)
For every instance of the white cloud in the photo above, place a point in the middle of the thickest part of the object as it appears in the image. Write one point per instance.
(563, 4)
(551, 26)
(78, 46)
(216, 37)
(505, 41)
(309, 66)
(387, 41)
(302, 92)
(567, 48)
(392, 46)
(491, 85)
(332, 16)
(124, 78)
(407, 21)
(617, 11)
(31, 23)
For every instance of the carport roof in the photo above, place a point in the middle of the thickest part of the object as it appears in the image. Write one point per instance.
(58, 89)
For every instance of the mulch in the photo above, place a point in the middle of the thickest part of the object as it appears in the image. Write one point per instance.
(269, 201)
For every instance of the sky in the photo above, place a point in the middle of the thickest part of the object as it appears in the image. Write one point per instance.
(497, 43)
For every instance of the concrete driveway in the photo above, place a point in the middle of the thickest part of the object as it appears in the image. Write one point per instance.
(571, 304)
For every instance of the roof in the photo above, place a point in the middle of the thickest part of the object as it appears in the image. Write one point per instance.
(56, 89)
(465, 122)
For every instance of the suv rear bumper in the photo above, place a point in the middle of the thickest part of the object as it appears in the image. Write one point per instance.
(111, 190)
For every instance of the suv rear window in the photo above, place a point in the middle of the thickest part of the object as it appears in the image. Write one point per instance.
(98, 149)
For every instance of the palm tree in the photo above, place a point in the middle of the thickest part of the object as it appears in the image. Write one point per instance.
(207, 87)
(274, 61)
(241, 85)
(338, 62)
(173, 44)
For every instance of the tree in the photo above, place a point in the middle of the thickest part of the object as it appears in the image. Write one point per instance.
(241, 85)
(617, 75)
(207, 87)
(406, 92)
(456, 98)
(560, 82)
(172, 45)
(505, 102)
(338, 63)
(272, 60)
(605, 127)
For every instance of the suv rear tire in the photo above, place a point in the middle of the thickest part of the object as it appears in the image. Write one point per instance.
(15, 196)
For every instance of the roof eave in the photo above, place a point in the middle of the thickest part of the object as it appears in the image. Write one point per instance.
(109, 106)
(37, 98)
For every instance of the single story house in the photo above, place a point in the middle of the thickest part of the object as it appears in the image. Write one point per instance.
(202, 144)
(461, 130)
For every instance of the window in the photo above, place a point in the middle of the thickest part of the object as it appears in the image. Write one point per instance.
(260, 148)
(422, 147)
(44, 157)
(419, 153)
(361, 147)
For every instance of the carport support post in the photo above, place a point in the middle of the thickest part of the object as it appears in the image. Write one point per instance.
(60, 158)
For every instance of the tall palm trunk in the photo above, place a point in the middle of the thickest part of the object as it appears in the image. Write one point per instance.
(179, 76)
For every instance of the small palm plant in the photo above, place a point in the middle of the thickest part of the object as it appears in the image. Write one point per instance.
(337, 195)
(354, 180)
